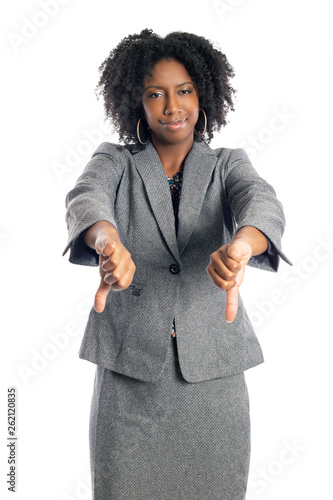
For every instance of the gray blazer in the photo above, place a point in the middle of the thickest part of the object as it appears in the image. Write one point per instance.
(221, 192)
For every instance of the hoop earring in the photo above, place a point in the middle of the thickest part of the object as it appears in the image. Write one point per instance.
(138, 132)
(204, 130)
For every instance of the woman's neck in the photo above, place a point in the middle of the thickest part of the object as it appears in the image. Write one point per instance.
(173, 156)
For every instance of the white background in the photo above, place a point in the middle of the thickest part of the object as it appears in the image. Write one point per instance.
(51, 120)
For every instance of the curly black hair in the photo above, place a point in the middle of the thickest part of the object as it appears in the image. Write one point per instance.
(123, 72)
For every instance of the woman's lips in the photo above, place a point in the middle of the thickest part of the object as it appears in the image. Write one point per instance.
(174, 125)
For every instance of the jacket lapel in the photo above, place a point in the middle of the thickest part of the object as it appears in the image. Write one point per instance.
(198, 168)
(153, 175)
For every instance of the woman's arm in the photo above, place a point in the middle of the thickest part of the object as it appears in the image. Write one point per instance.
(259, 219)
(92, 200)
(253, 202)
(96, 230)
(255, 238)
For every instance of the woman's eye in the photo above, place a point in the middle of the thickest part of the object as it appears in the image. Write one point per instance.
(186, 91)
(155, 94)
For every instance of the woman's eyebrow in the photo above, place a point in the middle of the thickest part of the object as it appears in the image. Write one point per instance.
(159, 87)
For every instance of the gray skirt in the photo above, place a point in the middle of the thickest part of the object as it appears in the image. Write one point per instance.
(170, 439)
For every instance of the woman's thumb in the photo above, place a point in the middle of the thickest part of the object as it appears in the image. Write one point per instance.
(101, 295)
(232, 304)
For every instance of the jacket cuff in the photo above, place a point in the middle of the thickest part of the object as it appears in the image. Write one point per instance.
(79, 252)
(270, 259)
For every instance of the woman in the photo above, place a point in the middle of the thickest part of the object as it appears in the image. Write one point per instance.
(168, 332)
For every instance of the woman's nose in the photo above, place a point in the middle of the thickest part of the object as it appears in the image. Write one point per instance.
(171, 105)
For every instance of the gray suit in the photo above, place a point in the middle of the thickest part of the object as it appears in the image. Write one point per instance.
(221, 192)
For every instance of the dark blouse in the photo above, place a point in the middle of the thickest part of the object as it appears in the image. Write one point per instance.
(175, 184)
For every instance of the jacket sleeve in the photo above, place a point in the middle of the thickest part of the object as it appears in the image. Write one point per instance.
(92, 200)
(253, 202)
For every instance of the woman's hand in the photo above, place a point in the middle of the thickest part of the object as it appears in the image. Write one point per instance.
(227, 264)
(116, 267)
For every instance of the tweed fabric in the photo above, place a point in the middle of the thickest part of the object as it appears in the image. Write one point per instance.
(221, 192)
(169, 440)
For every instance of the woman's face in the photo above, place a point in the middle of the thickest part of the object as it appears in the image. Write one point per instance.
(171, 104)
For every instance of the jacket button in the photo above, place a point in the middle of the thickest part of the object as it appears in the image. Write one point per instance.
(174, 269)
